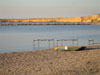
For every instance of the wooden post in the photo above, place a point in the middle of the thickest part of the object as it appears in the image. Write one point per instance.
(77, 42)
(73, 42)
(34, 44)
(93, 42)
(53, 43)
(38, 43)
(49, 44)
(89, 42)
(61, 43)
(57, 42)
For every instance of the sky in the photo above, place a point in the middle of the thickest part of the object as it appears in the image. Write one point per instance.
(47, 8)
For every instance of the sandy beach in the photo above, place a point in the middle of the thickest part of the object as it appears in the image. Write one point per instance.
(50, 62)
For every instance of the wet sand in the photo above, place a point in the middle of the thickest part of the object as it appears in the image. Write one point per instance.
(49, 62)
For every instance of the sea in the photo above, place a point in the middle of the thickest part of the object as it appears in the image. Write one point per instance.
(20, 38)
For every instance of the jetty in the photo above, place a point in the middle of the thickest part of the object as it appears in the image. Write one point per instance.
(45, 23)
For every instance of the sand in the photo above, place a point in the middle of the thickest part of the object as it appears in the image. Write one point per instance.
(50, 62)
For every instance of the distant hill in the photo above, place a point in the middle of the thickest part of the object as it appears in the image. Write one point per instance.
(93, 19)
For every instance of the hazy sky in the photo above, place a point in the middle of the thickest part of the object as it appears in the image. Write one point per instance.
(48, 8)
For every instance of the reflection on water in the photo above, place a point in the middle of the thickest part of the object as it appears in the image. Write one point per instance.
(19, 38)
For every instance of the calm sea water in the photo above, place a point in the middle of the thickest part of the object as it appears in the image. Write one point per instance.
(20, 38)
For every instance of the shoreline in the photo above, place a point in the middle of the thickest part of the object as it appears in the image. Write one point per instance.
(50, 62)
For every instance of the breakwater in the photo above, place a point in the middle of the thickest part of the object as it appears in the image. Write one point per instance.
(45, 23)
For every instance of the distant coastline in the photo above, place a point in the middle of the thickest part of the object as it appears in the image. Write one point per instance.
(86, 20)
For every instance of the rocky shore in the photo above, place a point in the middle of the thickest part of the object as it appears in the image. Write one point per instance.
(50, 62)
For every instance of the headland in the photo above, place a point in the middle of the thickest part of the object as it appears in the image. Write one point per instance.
(85, 20)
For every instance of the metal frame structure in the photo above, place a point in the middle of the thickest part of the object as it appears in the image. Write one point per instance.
(90, 42)
(40, 40)
(73, 40)
(96, 45)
